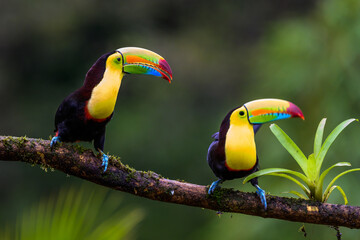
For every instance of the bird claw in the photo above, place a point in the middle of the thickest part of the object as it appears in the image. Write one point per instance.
(105, 161)
(54, 140)
(213, 186)
(261, 194)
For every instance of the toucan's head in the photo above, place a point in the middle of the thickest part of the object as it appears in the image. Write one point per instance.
(139, 61)
(265, 110)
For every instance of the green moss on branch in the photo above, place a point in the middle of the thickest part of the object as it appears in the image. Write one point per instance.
(83, 163)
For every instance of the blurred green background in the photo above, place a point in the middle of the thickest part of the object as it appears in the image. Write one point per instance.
(223, 54)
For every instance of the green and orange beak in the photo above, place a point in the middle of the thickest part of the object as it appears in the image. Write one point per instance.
(268, 110)
(143, 61)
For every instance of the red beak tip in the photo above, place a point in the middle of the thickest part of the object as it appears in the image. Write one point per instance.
(168, 78)
(300, 115)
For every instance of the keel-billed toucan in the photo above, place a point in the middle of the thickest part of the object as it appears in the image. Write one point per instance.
(233, 152)
(83, 115)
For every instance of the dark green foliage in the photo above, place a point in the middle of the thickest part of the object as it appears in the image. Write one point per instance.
(75, 213)
(222, 53)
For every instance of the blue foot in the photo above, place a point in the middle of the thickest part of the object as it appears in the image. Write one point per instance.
(54, 140)
(105, 160)
(213, 186)
(262, 196)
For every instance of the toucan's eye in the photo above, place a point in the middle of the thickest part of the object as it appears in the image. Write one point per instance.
(117, 60)
(242, 113)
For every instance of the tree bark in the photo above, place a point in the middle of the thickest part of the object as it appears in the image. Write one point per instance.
(77, 161)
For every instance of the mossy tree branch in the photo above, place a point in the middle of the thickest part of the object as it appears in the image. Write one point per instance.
(72, 160)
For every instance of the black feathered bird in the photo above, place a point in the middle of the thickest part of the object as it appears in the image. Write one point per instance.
(83, 115)
(232, 154)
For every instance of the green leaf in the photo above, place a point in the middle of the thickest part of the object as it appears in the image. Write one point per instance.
(326, 192)
(340, 190)
(116, 227)
(329, 140)
(319, 136)
(75, 214)
(297, 194)
(311, 164)
(323, 175)
(305, 189)
(270, 171)
(290, 146)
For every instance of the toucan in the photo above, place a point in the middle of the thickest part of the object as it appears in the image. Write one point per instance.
(232, 154)
(83, 115)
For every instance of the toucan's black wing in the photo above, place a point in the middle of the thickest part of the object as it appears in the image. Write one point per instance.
(212, 148)
(215, 157)
(60, 115)
(66, 111)
(215, 136)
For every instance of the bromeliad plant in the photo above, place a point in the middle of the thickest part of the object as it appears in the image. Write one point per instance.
(311, 166)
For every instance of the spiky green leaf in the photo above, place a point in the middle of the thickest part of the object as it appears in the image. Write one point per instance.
(75, 214)
(323, 175)
(302, 186)
(116, 227)
(318, 137)
(326, 192)
(297, 194)
(269, 171)
(325, 198)
(311, 164)
(329, 140)
(290, 146)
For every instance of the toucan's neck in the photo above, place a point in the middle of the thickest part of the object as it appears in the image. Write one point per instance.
(103, 96)
(240, 149)
(237, 141)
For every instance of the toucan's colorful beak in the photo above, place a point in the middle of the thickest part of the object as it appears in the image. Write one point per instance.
(143, 61)
(267, 110)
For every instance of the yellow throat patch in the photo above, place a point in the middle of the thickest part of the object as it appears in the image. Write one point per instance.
(103, 97)
(240, 149)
